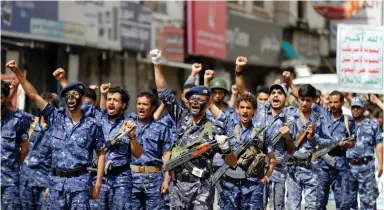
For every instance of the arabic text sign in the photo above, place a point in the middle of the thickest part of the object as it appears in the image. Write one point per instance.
(360, 58)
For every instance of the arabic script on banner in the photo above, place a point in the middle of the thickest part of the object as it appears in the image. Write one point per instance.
(360, 58)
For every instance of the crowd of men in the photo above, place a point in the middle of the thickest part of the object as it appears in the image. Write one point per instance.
(251, 150)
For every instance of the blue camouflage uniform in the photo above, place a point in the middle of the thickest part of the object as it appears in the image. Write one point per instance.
(36, 167)
(275, 189)
(154, 138)
(361, 161)
(167, 121)
(302, 174)
(242, 193)
(187, 190)
(117, 182)
(336, 178)
(72, 149)
(14, 130)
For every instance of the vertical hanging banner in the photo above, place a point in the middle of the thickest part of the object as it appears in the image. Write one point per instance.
(360, 58)
(206, 28)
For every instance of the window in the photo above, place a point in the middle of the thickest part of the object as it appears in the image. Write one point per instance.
(301, 9)
(159, 7)
(258, 4)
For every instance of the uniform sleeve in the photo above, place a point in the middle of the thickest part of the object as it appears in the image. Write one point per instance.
(51, 115)
(174, 109)
(23, 129)
(166, 139)
(91, 111)
(352, 126)
(98, 137)
(323, 137)
(267, 146)
(190, 80)
(376, 132)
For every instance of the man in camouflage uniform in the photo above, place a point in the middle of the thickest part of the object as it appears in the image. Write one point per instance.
(246, 192)
(117, 181)
(361, 157)
(336, 177)
(74, 139)
(37, 165)
(312, 129)
(149, 184)
(190, 189)
(280, 133)
(14, 148)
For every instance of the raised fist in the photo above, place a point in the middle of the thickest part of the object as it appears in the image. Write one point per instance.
(234, 89)
(12, 65)
(59, 74)
(209, 75)
(104, 88)
(93, 87)
(156, 56)
(287, 77)
(241, 61)
(196, 68)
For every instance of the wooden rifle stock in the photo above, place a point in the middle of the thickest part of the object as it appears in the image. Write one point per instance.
(201, 149)
(301, 138)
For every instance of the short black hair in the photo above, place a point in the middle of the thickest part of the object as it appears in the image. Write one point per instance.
(248, 97)
(189, 86)
(5, 88)
(263, 89)
(124, 94)
(307, 90)
(337, 93)
(50, 98)
(148, 94)
(90, 93)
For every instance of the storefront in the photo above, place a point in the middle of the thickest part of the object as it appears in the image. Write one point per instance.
(261, 44)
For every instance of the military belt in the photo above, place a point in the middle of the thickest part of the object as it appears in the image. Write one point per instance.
(68, 173)
(114, 171)
(338, 152)
(186, 177)
(360, 161)
(145, 169)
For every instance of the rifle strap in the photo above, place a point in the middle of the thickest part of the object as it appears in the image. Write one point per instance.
(254, 133)
(32, 127)
(346, 123)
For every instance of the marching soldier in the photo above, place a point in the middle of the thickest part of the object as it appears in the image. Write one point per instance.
(280, 133)
(73, 141)
(336, 176)
(149, 183)
(243, 187)
(34, 176)
(190, 188)
(361, 158)
(312, 130)
(14, 148)
(117, 181)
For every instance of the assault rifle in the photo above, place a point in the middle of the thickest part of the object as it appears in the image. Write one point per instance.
(231, 160)
(323, 153)
(107, 145)
(276, 138)
(303, 134)
(190, 154)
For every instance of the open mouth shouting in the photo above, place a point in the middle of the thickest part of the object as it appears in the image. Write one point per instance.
(73, 100)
